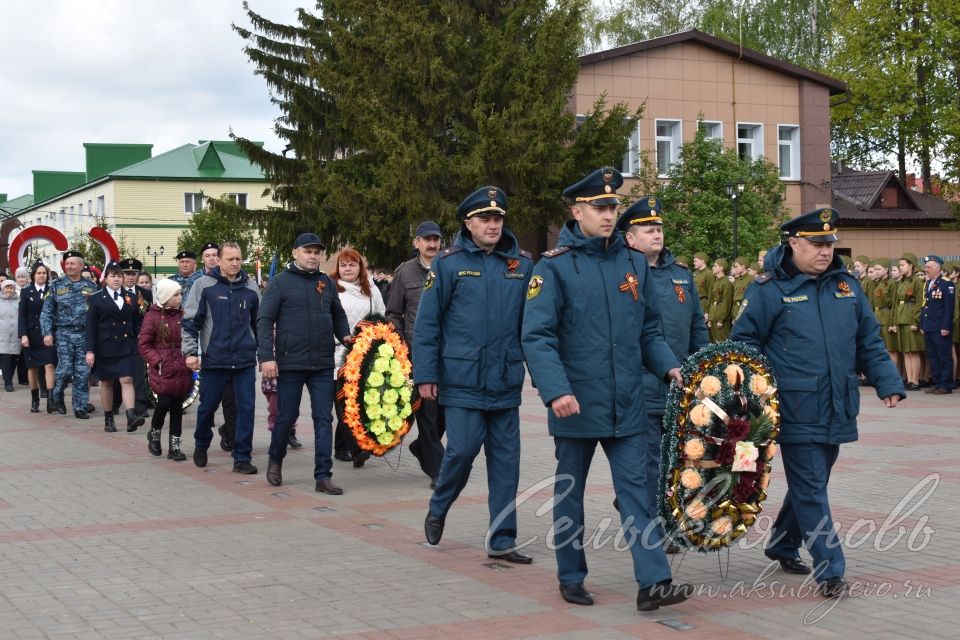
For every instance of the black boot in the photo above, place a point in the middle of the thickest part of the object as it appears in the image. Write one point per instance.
(108, 424)
(51, 403)
(293, 441)
(34, 400)
(61, 404)
(153, 441)
(174, 452)
(133, 421)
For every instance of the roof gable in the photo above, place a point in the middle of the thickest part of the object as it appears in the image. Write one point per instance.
(724, 46)
(857, 194)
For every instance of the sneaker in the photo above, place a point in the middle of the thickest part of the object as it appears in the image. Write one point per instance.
(244, 467)
(226, 441)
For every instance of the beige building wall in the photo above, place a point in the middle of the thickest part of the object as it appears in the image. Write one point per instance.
(684, 80)
(892, 243)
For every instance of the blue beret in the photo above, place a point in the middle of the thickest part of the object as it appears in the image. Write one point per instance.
(816, 226)
(485, 201)
(645, 211)
(599, 188)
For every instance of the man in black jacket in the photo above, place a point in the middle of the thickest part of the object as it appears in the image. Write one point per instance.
(299, 319)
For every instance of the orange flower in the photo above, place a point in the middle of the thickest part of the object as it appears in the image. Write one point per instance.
(722, 525)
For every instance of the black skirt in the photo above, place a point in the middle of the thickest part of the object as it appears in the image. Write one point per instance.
(40, 356)
(113, 368)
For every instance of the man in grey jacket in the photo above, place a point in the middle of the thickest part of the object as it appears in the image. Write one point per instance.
(402, 308)
(299, 318)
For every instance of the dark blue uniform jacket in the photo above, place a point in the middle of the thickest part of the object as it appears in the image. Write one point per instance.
(937, 314)
(111, 331)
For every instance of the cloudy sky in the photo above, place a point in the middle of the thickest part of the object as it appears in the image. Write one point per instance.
(164, 72)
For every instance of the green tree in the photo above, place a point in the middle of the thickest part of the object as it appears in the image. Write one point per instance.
(396, 110)
(220, 221)
(91, 249)
(698, 215)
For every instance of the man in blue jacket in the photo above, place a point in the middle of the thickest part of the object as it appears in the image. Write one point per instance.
(299, 320)
(808, 315)
(936, 322)
(590, 328)
(219, 321)
(682, 322)
(467, 356)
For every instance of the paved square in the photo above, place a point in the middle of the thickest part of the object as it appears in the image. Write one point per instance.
(98, 539)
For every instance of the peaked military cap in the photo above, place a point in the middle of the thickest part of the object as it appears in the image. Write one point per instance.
(210, 245)
(72, 254)
(187, 254)
(932, 258)
(485, 201)
(131, 264)
(599, 188)
(816, 226)
(645, 211)
(113, 265)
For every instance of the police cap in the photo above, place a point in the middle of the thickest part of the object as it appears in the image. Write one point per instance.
(818, 226)
(131, 264)
(933, 258)
(485, 201)
(599, 188)
(187, 254)
(210, 245)
(72, 254)
(645, 211)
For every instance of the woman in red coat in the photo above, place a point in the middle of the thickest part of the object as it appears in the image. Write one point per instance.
(167, 371)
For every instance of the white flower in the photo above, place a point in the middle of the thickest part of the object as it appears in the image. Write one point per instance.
(745, 456)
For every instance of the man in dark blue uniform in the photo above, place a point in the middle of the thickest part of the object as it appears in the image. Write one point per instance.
(685, 331)
(936, 322)
(809, 316)
(590, 328)
(467, 356)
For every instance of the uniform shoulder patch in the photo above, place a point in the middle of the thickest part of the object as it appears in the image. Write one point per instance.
(449, 251)
(526, 254)
(682, 266)
(762, 278)
(556, 251)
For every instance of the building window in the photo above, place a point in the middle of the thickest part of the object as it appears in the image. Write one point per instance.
(749, 141)
(239, 199)
(80, 211)
(73, 216)
(668, 138)
(101, 206)
(63, 218)
(630, 163)
(192, 202)
(712, 129)
(788, 139)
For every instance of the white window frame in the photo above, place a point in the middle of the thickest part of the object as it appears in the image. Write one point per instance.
(630, 163)
(756, 141)
(675, 139)
(794, 145)
(707, 124)
(236, 198)
(192, 207)
(63, 218)
(101, 206)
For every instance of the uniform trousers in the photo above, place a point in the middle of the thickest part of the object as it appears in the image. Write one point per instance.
(805, 515)
(574, 455)
(498, 432)
(72, 363)
(652, 454)
(290, 383)
(243, 381)
(939, 353)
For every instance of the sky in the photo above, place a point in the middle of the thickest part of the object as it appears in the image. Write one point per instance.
(161, 72)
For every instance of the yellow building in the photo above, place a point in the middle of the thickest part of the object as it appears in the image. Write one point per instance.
(145, 200)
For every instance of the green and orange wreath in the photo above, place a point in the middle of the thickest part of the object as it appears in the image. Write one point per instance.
(720, 438)
(375, 393)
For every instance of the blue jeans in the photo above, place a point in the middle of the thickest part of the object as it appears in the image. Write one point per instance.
(289, 392)
(244, 389)
(626, 456)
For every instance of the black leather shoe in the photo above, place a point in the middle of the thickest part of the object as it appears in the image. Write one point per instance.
(360, 458)
(245, 467)
(133, 421)
(343, 456)
(34, 401)
(911, 387)
(274, 476)
(326, 486)
(832, 588)
(433, 528)
(576, 594)
(61, 405)
(200, 457)
(511, 556)
(51, 403)
(44, 393)
(226, 441)
(90, 407)
(662, 594)
(108, 424)
(790, 565)
(293, 441)
(81, 415)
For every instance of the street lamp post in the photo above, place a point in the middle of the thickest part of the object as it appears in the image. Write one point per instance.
(159, 252)
(734, 192)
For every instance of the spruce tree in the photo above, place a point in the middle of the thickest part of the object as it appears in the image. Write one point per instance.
(396, 110)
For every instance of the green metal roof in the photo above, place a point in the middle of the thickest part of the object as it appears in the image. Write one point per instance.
(47, 184)
(11, 208)
(210, 160)
(104, 158)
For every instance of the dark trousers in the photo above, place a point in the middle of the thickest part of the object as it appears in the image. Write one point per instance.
(8, 366)
(574, 456)
(805, 516)
(654, 436)
(430, 430)
(172, 405)
(289, 393)
(498, 432)
(939, 353)
(229, 404)
(243, 381)
(22, 369)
